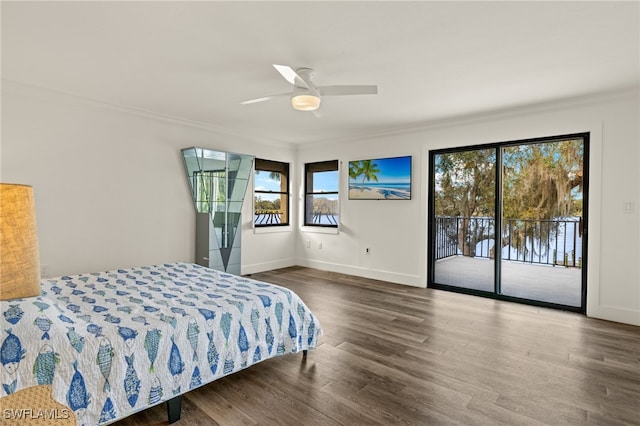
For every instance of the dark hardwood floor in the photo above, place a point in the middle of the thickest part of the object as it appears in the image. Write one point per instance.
(393, 354)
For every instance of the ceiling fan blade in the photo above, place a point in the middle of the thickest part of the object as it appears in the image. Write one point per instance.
(348, 90)
(264, 98)
(290, 75)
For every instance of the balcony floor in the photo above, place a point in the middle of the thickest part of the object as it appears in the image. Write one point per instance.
(554, 284)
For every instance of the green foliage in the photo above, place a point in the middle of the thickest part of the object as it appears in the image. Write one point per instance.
(365, 168)
(543, 181)
(465, 183)
(354, 169)
(539, 182)
(272, 175)
(210, 189)
(325, 206)
(266, 206)
(261, 206)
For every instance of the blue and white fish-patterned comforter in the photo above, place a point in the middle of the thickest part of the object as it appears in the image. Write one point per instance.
(113, 343)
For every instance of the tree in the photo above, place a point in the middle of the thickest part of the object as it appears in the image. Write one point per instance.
(354, 170)
(325, 206)
(367, 168)
(541, 181)
(266, 206)
(465, 184)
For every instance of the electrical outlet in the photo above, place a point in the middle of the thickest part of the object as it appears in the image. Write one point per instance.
(628, 207)
(308, 244)
(320, 245)
(44, 271)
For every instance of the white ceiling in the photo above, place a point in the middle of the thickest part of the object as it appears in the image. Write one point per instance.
(431, 61)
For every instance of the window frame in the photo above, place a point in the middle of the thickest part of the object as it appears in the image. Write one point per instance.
(497, 291)
(309, 170)
(262, 165)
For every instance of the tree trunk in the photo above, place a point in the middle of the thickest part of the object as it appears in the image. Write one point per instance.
(464, 240)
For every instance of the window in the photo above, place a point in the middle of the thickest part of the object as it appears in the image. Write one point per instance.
(271, 193)
(321, 194)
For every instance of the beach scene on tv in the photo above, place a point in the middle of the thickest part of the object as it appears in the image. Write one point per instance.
(380, 179)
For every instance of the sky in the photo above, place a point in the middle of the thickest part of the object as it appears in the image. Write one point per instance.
(324, 181)
(392, 170)
(263, 182)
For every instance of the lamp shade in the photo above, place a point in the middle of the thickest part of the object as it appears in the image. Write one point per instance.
(19, 255)
(305, 102)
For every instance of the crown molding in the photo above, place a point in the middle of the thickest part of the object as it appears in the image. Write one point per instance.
(487, 116)
(13, 86)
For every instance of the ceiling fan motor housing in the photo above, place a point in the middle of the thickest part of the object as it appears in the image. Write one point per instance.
(305, 96)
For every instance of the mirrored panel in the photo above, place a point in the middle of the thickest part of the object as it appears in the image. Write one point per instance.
(218, 182)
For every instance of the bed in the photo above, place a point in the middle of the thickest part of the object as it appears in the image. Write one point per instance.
(113, 343)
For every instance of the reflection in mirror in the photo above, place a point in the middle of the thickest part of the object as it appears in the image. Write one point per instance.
(218, 182)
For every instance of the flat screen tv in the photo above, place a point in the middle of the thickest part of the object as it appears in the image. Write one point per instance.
(380, 179)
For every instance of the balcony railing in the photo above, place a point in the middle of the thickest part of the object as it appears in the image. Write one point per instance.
(267, 218)
(551, 242)
(274, 218)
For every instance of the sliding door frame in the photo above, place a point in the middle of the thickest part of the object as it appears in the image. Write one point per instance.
(496, 294)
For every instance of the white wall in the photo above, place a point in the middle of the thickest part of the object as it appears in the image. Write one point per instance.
(396, 231)
(110, 185)
(393, 230)
(111, 190)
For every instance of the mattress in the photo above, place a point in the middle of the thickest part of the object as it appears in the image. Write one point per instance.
(116, 342)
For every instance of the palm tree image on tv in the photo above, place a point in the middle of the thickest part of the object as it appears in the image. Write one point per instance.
(365, 168)
(380, 179)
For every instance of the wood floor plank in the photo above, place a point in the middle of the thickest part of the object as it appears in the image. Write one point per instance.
(393, 354)
(216, 408)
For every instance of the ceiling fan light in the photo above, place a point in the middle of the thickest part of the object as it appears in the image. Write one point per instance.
(305, 102)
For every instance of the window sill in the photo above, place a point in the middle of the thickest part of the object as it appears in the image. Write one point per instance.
(320, 230)
(271, 229)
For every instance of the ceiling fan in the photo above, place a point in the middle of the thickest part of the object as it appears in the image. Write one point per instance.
(306, 96)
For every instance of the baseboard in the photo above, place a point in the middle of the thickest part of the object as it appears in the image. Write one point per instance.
(376, 274)
(267, 266)
(612, 313)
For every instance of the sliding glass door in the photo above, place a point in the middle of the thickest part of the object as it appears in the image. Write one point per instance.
(507, 220)
(464, 217)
